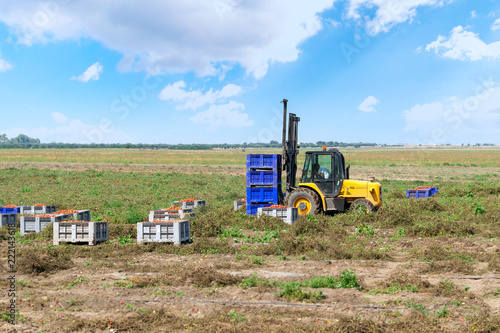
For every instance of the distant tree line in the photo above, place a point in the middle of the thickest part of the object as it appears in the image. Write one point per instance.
(21, 139)
(24, 141)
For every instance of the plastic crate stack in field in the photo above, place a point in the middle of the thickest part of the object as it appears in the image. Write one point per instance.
(87, 232)
(175, 232)
(8, 219)
(263, 181)
(37, 223)
(10, 209)
(77, 215)
(189, 203)
(421, 192)
(288, 214)
(240, 204)
(171, 214)
(37, 209)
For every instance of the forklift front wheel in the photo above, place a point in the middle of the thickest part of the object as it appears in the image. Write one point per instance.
(305, 200)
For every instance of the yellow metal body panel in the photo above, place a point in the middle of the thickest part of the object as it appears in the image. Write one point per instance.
(352, 190)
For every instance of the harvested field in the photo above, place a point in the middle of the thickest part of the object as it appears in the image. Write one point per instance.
(415, 265)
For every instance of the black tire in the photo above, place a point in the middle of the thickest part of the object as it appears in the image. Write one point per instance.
(304, 195)
(362, 204)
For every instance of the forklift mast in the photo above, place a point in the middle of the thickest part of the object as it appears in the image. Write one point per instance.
(290, 147)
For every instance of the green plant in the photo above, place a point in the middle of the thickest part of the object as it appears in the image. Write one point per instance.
(417, 306)
(253, 281)
(237, 316)
(256, 260)
(77, 281)
(364, 229)
(292, 290)
(348, 279)
(180, 294)
(479, 209)
(467, 288)
(442, 313)
(125, 240)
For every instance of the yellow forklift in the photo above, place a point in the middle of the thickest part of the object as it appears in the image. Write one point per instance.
(325, 184)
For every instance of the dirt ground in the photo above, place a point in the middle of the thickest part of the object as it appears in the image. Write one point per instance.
(159, 292)
(406, 172)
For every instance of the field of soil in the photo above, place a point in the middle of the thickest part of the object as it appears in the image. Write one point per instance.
(426, 265)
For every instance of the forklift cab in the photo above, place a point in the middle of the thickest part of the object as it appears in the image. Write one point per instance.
(326, 169)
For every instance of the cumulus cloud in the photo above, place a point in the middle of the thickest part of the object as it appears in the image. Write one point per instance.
(471, 119)
(195, 99)
(224, 115)
(4, 65)
(388, 13)
(464, 45)
(175, 36)
(92, 73)
(473, 14)
(368, 105)
(76, 131)
(59, 118)
(496, 25)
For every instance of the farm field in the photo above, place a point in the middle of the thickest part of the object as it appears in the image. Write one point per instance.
(415, 265)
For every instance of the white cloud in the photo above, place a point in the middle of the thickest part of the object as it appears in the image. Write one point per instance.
(496, 25)
(224, 115)
(4, 65)
(464, 45)
(472, 119)
(368, 104)
(388, 13)
(75, 131)
(59, 117)
(175, 36)
(92, 73)
(473, 14)
(195, 99)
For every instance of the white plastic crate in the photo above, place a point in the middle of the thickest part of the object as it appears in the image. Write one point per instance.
(176, 232)
(189, 204)
(170, 215)
(80, 232)
(239, 204)
(8, 219)
(35, 210)
(38, 223)
(80, 215)
(288, 215)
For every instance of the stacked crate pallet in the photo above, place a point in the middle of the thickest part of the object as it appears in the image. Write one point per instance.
(263, 181)
(91, 233)
(176, 232)
(37, 223)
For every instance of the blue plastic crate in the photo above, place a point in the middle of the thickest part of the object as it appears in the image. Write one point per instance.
(263, 178)
(418, 193)
(264, 161)
(434, 190)
(9, 210)
(263, 194)
(252, 208)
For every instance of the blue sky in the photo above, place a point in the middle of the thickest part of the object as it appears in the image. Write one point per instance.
(215, 71)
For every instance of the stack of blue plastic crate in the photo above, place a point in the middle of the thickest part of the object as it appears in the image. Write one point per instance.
(263, 181)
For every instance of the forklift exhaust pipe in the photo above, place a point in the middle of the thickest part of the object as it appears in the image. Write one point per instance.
(283, 141)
